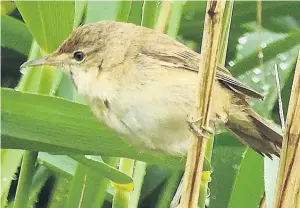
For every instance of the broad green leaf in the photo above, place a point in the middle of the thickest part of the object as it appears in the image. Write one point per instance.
(248, 186)
(10, 35)
(49, 22)
(58, 126)
(101, 10)
(226, 161)
(47, 120)
(250, 61)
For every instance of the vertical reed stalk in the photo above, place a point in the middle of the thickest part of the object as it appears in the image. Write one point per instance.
(288, 181)
(206, 77)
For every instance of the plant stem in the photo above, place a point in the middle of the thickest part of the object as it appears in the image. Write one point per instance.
(25, 179)
(138, 179)
(288, 183)
(164, 16)
(121, 197)
(168, 190)
(206, 77)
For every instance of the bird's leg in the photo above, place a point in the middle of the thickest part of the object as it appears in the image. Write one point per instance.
(200, 132)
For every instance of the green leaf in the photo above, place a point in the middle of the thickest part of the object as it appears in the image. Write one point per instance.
(55, 125)
(41, 175)
(10, 161)
(59, 164)
(10, 35)
(150, 12)
(80, 7)
(7, 7)
(123, 11)
(175, 18)
(250, 61)
(47, 120)
(135, 15)
(101, 10)
(103, 169)
(49, 22)
(251, 176)
(226, 161)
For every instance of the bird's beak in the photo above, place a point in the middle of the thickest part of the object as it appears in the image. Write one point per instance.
(45, 61)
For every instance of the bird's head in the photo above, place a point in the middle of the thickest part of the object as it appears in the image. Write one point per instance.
(82, 50)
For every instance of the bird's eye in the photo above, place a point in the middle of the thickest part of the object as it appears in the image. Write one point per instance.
(78, 55)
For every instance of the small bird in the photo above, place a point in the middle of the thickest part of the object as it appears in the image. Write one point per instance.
(142, 84)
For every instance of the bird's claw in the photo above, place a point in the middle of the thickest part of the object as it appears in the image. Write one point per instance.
(199, 132)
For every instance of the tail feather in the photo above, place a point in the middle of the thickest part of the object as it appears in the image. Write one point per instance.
(261, 135)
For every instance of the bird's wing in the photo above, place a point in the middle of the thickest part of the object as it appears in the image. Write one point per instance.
(175, 54)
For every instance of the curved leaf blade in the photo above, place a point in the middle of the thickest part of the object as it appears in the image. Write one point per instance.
(51, 22)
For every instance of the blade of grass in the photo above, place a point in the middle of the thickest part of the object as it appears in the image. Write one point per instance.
(138, 179)
(121, 196)
(149, 13)
(104, 169)
(175, 18)
(25, 179)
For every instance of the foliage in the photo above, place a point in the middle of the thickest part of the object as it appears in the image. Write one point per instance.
(46, 123)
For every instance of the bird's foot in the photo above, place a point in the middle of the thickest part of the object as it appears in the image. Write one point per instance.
(199, 132)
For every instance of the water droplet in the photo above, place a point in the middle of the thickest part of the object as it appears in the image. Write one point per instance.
(159, 2)
(231, 63)
(282, 57)
(263, 45)
(189, 16)
(266, 87)
(239, 56)
(255, 79)
(243, 40)
(260, 55)
(283, 65)
(239, 47)
(257, 71)
(88, 157)
(235, 167)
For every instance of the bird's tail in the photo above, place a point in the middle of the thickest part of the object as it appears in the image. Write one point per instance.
(260, 134)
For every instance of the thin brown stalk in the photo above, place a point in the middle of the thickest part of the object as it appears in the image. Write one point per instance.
(288, 182)
(206, 78)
